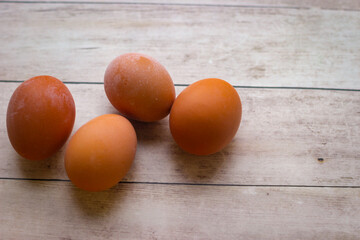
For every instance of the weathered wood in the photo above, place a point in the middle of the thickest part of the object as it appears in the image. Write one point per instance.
(57, 210)
(282, 134)
(243, 45)
(290, 142)
(325, 4)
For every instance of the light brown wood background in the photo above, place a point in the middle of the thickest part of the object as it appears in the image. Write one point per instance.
(296, 67)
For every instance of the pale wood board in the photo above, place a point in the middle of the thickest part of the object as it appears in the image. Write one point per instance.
(267, 184)
(282, 134)
(243, 45)
(57, 210)
(325, 4)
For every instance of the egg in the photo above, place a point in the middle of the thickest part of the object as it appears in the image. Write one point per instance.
(139, 87)
(101, 152)
(205, 116)
(40, 117)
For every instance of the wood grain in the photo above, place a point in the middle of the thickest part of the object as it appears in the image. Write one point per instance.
(243, 45)
(325, 4)
(293, 169)
(57, 210)
(282, 134)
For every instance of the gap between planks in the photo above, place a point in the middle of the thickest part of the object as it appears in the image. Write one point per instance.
(304, 5)
(166, 4)
(192, 184)
(235, 86)
(161, 4)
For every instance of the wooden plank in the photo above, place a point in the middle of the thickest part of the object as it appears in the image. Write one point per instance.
(245, 46)
(57, 210)
(325, 4)
(282, 135)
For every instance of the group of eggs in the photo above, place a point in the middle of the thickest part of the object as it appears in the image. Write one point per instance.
(41, 113)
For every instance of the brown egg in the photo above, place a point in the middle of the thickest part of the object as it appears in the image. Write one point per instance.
(205, 116)
(139, 87)
(40, 117)
(101, 152)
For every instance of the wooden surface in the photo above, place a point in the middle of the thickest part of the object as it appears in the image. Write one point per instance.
(291, 172)
(349, 5)
(244, 45)
(148, 211)
(267, 147)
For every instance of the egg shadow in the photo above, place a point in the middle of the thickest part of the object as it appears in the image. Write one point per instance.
(151, 136)
(153, 133)
(99, 204)
(200, 169)
(193, 168)
(42, 169)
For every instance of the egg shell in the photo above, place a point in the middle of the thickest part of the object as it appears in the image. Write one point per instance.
(40, 117)
(101, 152)
(205, 116)
(139, 87)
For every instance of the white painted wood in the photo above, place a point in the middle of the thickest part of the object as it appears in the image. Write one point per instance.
(245, 46)
(282, 134)
(57, 210)
(325, 4)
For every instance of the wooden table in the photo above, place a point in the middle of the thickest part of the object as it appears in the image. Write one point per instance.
(293, 169)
